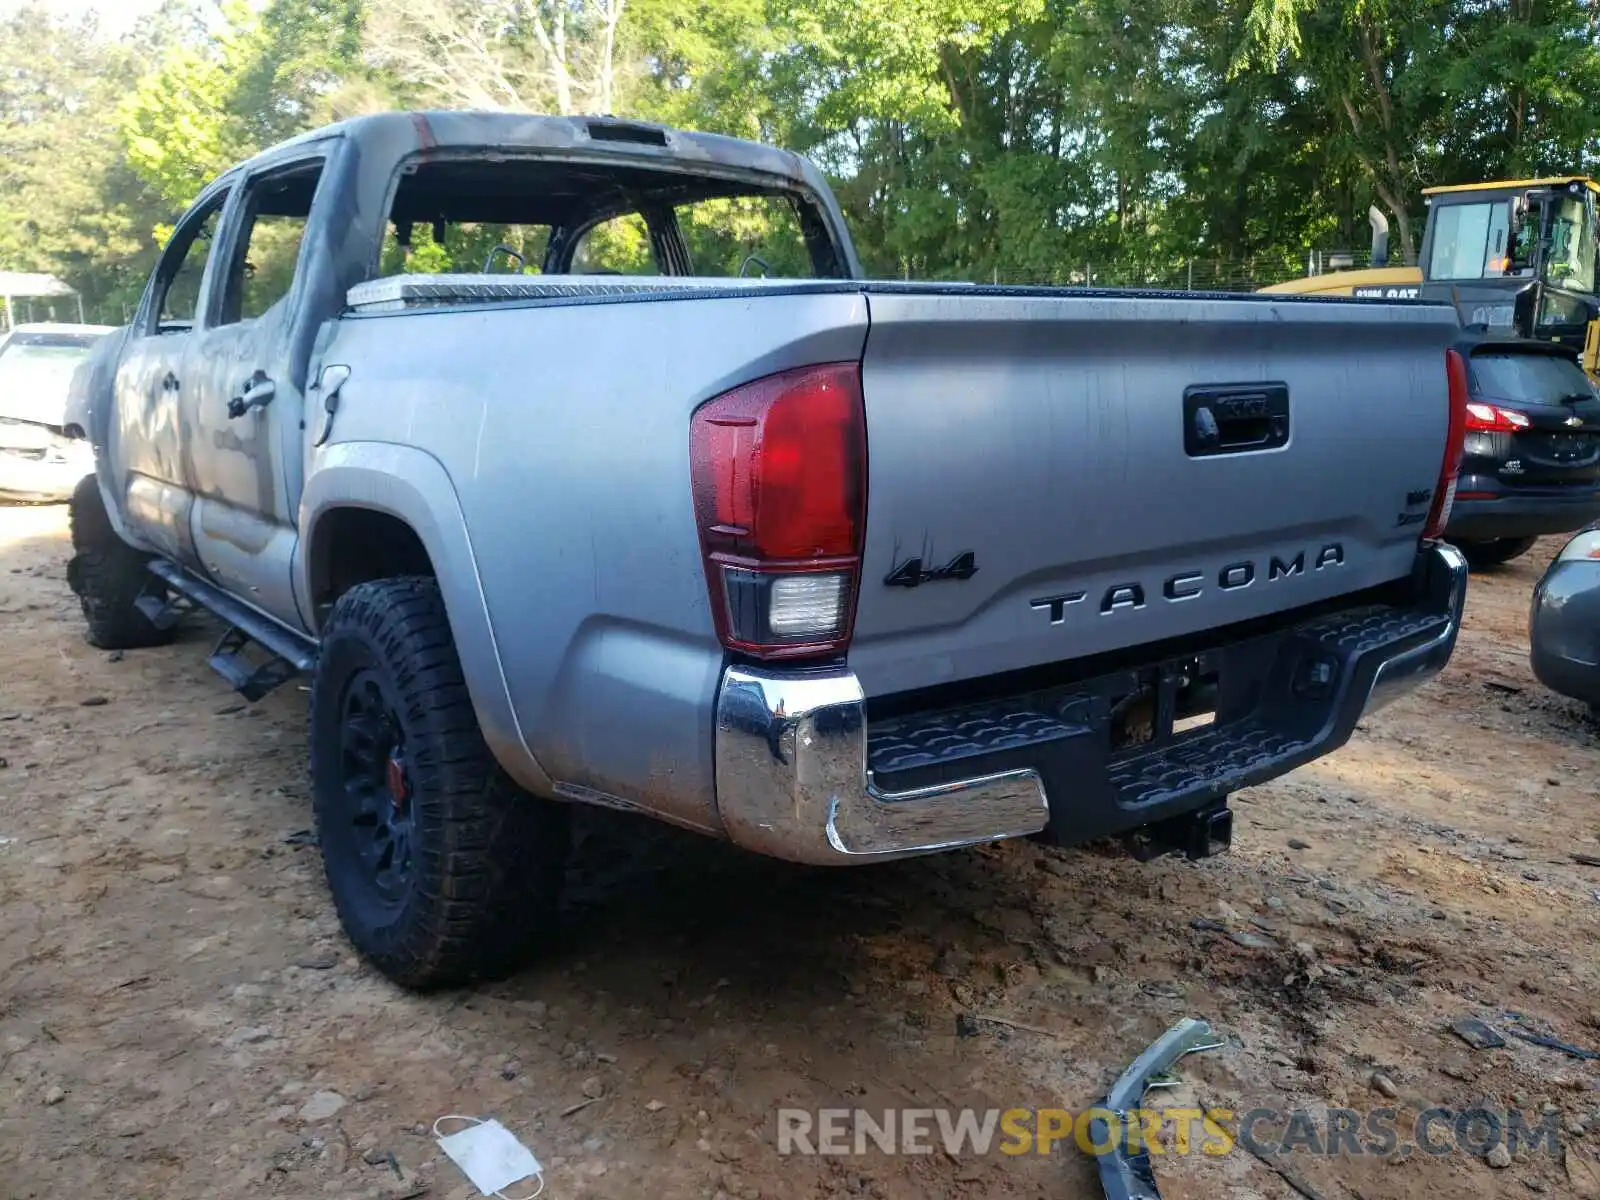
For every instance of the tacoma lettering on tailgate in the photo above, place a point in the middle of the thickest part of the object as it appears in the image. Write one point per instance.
(1186, 585)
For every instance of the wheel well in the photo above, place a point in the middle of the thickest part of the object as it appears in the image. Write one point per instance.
(358, 545)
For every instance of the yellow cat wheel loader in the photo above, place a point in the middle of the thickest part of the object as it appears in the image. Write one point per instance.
(1516, 256)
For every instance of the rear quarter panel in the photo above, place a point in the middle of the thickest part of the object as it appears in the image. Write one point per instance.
(564, 431)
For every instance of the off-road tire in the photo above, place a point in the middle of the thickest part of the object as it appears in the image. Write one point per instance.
(108, 575)
(1494, 553)
(488, 859)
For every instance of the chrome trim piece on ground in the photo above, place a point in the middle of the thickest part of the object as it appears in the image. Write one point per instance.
(791, 754)
(1125, 1172)
(1404, 672)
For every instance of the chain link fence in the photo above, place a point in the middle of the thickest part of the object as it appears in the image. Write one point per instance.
(1198, 274)
(1187, 275)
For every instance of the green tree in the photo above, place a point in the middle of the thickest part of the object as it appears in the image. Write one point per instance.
(220, 92)
(1436, 91)
(69, 206)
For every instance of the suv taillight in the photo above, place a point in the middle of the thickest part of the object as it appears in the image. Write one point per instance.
(1444, 493)
(1491, 418)
(779, 474)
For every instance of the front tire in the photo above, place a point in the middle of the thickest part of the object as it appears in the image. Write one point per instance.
(108, 575)
(442, 870)
(1496, 552)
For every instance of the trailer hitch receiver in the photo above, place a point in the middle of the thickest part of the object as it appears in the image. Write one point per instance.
(1197, 834)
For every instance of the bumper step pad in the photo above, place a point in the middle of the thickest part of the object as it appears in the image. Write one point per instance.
(1273, 711)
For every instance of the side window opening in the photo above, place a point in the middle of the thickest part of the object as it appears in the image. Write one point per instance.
(277, 209)
(178, 307)
(619, 246)
(750, 235)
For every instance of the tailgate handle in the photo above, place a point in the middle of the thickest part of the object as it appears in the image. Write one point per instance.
(1234, 418)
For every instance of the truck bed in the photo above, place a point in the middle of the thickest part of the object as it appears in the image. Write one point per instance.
(1036, 489)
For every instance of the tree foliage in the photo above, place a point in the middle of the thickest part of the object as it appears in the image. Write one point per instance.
(1029, 140)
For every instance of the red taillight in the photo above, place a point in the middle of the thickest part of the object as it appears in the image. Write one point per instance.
(1444, 492)
(779, 475)
(1491, 418)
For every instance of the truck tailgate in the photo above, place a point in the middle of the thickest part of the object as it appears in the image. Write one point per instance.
(1055, 475)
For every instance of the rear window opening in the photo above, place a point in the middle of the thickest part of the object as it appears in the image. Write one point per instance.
(531, 216)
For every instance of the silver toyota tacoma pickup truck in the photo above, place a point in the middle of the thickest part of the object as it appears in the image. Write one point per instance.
(576, 462)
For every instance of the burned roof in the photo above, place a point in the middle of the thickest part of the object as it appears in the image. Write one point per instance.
(518, 133)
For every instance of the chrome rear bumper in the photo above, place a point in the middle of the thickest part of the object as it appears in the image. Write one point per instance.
(791, 749)
(792, 779)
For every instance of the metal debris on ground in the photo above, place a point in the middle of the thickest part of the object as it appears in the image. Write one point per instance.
(1008, 1023)
(1550, 1043)
(1251, 941)
(1476, 1034)
(1126, 1175)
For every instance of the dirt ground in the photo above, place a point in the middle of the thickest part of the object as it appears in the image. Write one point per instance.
(179, 1015)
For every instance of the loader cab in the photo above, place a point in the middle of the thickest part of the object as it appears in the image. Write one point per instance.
(1517, 258)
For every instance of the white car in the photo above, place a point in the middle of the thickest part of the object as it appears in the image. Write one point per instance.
(38, 462)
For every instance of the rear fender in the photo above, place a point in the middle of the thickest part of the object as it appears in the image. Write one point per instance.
(413, 486)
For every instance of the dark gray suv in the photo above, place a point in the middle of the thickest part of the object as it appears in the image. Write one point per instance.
(1531, 463)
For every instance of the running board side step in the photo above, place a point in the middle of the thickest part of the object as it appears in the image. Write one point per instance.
(289, 653)
(164, 612)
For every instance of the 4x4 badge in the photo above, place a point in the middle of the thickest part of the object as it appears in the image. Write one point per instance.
(910, 573)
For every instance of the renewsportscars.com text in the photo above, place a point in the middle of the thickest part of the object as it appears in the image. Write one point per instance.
(1334, 1132)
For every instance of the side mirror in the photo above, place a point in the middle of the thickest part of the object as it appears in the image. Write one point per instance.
(1525, 311)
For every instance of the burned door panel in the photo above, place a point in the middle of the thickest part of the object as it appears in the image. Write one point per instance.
(150, 454)
(242, 414)
(242, 528)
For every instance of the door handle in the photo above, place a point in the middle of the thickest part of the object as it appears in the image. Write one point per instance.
(1235, 418)
(258, 393)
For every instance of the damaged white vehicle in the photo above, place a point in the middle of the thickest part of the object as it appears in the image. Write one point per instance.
(39, 462)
